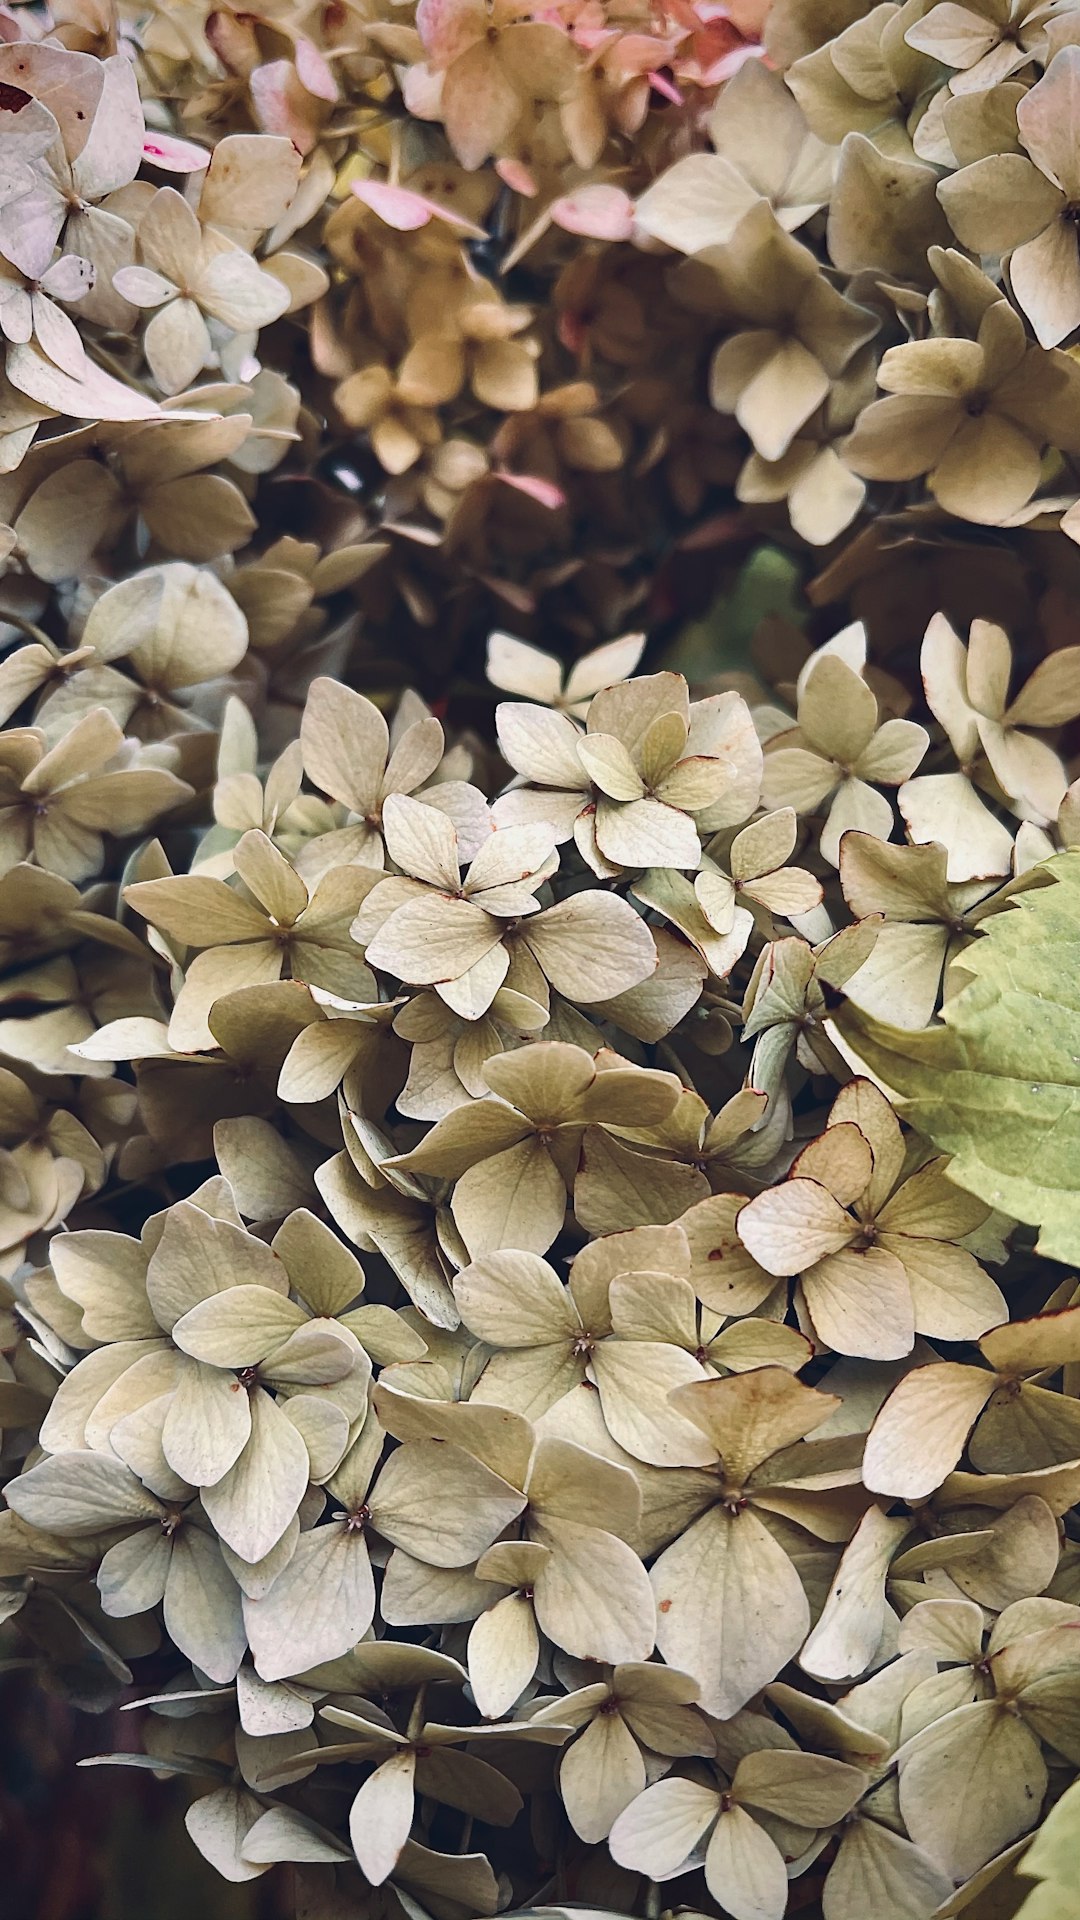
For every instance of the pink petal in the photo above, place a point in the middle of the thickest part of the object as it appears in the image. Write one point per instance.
(665, 88)
(600, 212)
(448, 27)
(545, 492)
(164, 150)
(313, 71)
(406, 211)
(515, 175)
(573, 331)
(283, 104)
(421, 88)
(730, 63)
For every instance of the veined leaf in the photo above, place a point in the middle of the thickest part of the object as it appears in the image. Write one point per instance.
(997, 1086)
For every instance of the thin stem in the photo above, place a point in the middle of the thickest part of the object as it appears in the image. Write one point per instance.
(416, 1717)
(11, 619)
(560, 1873)
(116, 367)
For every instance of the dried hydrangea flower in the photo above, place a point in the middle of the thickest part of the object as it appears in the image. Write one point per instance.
(651, 770)
(874, 1250)
(728, 1546)
(974, 416)
(513, 1155)
(349, 753)
(251, 939)
(744, 1866)
(425, 1175)
(763, 151)
(790, 332)
(838, 754)
(188, 278)
(59, 800)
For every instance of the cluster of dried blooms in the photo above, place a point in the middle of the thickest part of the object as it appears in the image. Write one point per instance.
(484, 1361)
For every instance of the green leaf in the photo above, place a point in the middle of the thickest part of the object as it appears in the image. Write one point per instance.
(1050, 1900)
(997, 1086)
(1054, 1854)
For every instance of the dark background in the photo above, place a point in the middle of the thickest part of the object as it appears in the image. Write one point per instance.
(100, 1843)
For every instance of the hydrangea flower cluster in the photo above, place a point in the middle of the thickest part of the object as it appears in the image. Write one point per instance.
(505, 1310)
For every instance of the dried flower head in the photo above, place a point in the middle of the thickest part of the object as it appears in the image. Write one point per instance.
(538, 918)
